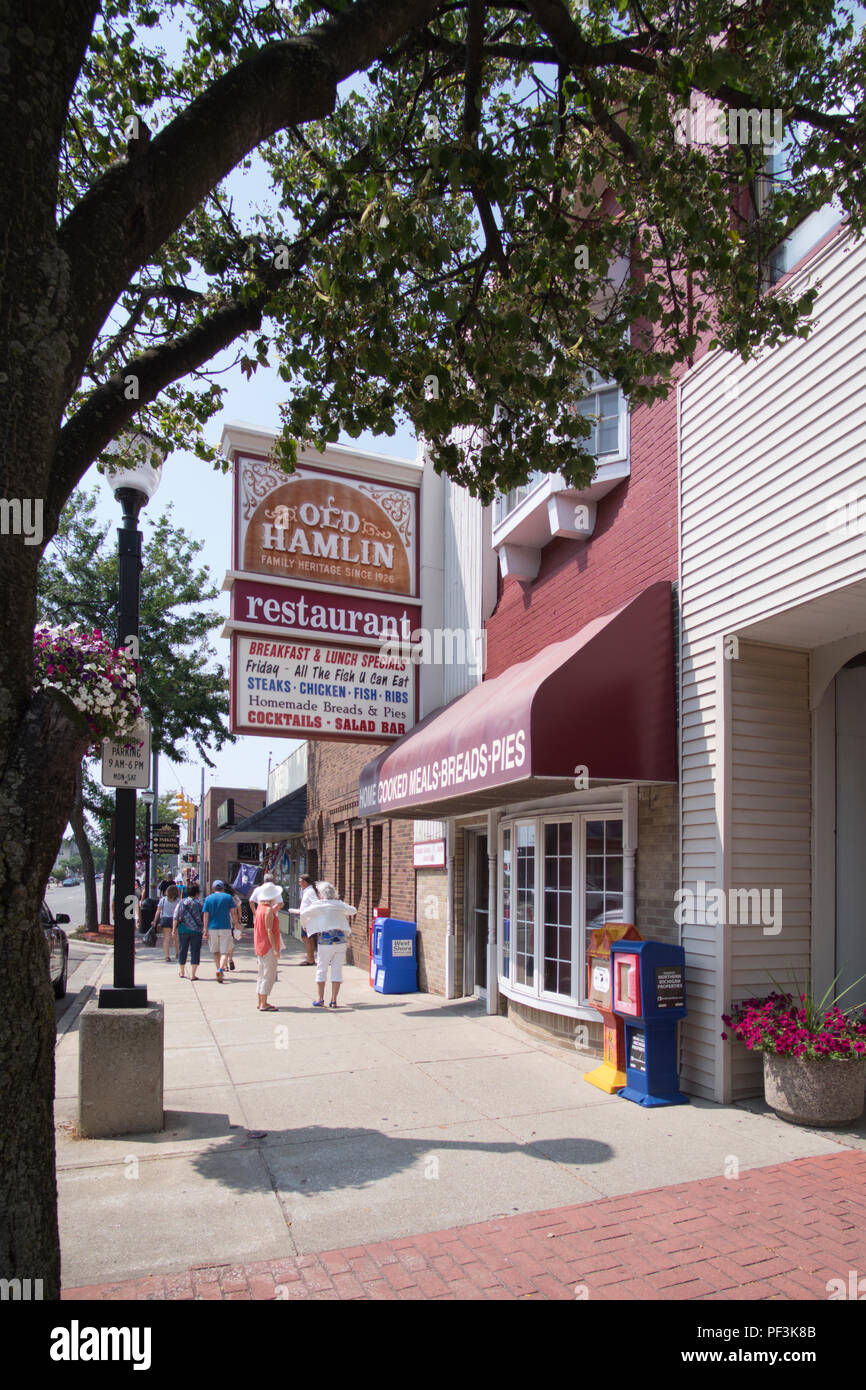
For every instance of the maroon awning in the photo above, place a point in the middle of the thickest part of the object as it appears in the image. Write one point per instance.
(601, 700)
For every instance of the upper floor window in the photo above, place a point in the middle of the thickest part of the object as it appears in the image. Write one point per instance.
(606, 411)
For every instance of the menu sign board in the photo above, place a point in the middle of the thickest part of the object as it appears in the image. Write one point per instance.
(334, 529)
(319, 689)
(670, 987)
(429, 854)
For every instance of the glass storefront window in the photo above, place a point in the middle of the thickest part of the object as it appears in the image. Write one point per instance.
(558, 950)
(560, 880)
(524, 923)
(505, 934)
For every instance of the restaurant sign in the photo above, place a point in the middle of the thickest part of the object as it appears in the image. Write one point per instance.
(321, 614)
(333, 529)
(326, 571)
(319, 689)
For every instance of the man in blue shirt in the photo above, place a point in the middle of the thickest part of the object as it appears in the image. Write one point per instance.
(220, 916)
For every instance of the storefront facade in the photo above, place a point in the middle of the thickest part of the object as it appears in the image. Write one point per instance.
(223, 807)
(372, 859)
(553, 782)
(773, 672)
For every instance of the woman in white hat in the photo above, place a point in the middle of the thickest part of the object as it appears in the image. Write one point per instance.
(328, 921)
(266, 939)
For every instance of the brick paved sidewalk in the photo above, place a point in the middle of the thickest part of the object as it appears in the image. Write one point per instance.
(774, 1233)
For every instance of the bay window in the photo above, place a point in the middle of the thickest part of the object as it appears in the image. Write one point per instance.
(561, 876)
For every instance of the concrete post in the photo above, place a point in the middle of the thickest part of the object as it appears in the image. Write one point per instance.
(120, 1071)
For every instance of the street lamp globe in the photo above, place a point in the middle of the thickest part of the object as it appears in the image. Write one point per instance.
(147, 797)
(136, 465)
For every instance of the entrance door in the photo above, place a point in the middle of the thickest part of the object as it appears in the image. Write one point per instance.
(476, 920)
(850, 829)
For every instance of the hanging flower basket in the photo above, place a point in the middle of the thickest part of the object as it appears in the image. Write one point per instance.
(814, 1057)
(100, 682)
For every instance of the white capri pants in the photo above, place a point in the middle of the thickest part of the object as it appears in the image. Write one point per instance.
(267, 973)
(333, 955)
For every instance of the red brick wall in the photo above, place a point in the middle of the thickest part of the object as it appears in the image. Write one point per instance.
(333, 770)
(634, 545)
(218, 856)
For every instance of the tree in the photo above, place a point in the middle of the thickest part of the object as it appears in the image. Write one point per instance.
(183, 694)
(450, 221)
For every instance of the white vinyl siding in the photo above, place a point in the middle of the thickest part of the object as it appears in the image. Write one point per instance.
(769, 451)
(770, 842)
(464, 554)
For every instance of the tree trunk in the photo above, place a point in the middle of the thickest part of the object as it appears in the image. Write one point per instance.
(107, 875)
(88, 873)
(37, 789)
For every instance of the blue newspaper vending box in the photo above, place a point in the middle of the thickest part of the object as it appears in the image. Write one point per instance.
(395, 960)
(649, 994)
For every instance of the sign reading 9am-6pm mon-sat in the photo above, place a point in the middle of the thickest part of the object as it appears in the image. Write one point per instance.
(326, 570)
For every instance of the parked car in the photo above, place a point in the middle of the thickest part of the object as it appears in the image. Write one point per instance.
(58, 944)
(71, 882)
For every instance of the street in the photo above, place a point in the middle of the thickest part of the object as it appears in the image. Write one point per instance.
(84, 957)
(71, 901)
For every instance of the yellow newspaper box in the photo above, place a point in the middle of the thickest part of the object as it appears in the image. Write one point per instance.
(610, 1076)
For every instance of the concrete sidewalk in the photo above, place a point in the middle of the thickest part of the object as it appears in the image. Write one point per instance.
(311, 1130)
(792, 1231)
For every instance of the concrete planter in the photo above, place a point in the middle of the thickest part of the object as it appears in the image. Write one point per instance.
(816, 1091)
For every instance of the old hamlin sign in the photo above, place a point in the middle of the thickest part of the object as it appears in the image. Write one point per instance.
(325, 571)
(341, 531)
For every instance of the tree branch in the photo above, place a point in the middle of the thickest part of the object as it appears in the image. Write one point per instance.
(572, 49)
(107, 410)
(178, 294)
(139, 203)
(472, 125)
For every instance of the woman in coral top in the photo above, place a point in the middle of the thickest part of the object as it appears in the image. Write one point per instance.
(266, 939)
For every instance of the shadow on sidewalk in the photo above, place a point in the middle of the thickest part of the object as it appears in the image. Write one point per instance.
(358, 1158)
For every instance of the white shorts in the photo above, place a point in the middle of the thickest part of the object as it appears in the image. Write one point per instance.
(220, 942)
(330, 955)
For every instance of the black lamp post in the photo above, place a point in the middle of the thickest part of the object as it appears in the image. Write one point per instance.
(148, 799)
(133, 482)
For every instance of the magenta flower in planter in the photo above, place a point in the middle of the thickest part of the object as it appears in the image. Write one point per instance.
(789, 1025)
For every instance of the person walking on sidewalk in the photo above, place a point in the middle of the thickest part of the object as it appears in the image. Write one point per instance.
(220, 916)
(257, 892)
(189, 931)
(266, 939)
(308, 897)
(165, 916)
(328, 920)
(237, 926)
